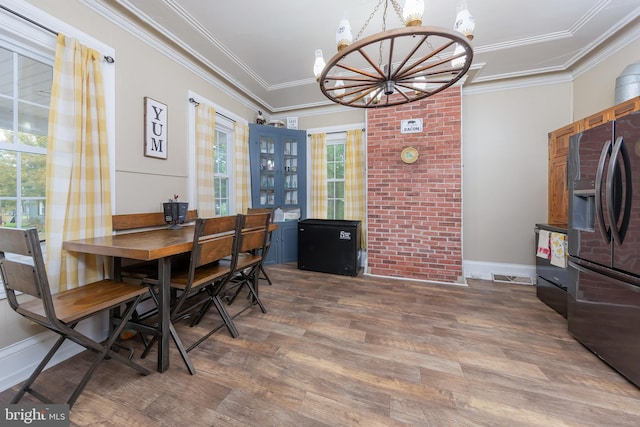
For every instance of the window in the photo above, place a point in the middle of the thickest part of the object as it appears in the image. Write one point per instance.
(224, 155)
(25, 91)
(335, 176)
(221, 149)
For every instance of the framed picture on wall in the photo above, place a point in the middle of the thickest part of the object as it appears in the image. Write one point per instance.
(155, 129)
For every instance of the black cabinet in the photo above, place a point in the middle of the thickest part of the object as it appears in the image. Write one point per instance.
(329, 246)
(278, 180)
(284, 243)
(551, 280)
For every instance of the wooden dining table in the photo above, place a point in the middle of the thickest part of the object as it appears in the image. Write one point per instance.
(158, 244)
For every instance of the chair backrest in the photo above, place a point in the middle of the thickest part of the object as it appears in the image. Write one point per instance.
(261, 211)
(255, 230)
(214, 239)
(135, 221)
(23, 269)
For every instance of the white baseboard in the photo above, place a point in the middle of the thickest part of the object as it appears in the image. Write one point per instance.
(17, 361)
(486, 270)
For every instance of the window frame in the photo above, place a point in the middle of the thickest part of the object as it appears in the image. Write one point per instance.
(36, 42)
(15, 146)
(225, 126)
(227, 120)
(332, 133)
(333, 140)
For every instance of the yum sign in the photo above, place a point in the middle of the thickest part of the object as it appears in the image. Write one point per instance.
(155, 129)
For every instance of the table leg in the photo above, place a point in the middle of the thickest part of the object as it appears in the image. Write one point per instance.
(164, 276)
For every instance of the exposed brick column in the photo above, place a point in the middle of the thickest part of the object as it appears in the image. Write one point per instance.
(415, 210)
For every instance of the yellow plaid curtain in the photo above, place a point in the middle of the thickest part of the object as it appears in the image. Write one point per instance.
(242, 167)
(354, 184)
(205, 139)
(78, 189)
(319, 176)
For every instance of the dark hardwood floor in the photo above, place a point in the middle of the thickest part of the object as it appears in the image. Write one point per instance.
(344, 351)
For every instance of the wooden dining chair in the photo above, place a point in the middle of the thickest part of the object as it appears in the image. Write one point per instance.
(213, 246)
(263, 273)
(23, 271)
(252, 247)
(245, 267)
(244, 264)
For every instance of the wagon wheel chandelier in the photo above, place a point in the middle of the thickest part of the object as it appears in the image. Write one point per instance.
(396, 66)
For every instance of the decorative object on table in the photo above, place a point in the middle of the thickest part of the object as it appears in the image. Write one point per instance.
(260, 119)
(155, 129)
(396, 66)
(409, 155)
(175, 212)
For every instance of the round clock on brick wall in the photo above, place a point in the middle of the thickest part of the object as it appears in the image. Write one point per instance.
(409, 155)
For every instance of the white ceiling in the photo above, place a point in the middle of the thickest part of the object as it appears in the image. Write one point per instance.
(266, 48)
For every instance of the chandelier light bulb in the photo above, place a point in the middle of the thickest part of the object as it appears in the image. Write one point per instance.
(378, 97)
(412, 12)
(465, 23)
(458, 62)
(344, 36)
(318, 66)
(420, 85)
(339, 88)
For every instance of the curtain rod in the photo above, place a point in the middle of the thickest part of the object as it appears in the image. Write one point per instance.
(196, 103)
(337, 131)
(109, 59)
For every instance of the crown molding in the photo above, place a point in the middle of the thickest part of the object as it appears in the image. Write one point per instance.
(195, 24)
(106, 12)
(620, 43)
(185, 56)
(517, 83)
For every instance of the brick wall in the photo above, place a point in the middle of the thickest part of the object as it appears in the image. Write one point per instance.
(415, 210)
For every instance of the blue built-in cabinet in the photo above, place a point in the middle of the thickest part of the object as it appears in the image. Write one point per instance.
(279, 180)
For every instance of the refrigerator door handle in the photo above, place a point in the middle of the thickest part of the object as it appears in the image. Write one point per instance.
(606, 233)
(619, 148)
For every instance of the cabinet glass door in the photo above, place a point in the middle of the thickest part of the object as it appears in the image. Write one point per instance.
(290, 171)
(267, 171)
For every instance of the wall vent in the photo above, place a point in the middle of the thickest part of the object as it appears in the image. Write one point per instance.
(503, 278)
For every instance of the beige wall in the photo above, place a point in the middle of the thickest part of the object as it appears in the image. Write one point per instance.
(142, 183)
(505, 156)
(504, 140)
(504, 145)
(594, 90)
(345, 117)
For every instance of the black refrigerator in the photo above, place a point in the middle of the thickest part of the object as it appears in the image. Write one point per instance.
(603, 310)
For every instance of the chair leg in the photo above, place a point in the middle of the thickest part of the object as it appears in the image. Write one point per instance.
(265, 276)
(101, 350)
(148, 347)
(254, 293)
(105, 350)
(205, 307)
(225, 316)
(26, 387)
(238, 287)
(181, 349)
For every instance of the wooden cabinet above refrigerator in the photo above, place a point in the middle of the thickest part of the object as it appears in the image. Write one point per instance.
(559, 148)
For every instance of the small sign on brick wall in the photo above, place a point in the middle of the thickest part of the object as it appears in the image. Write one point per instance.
(411, 126)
